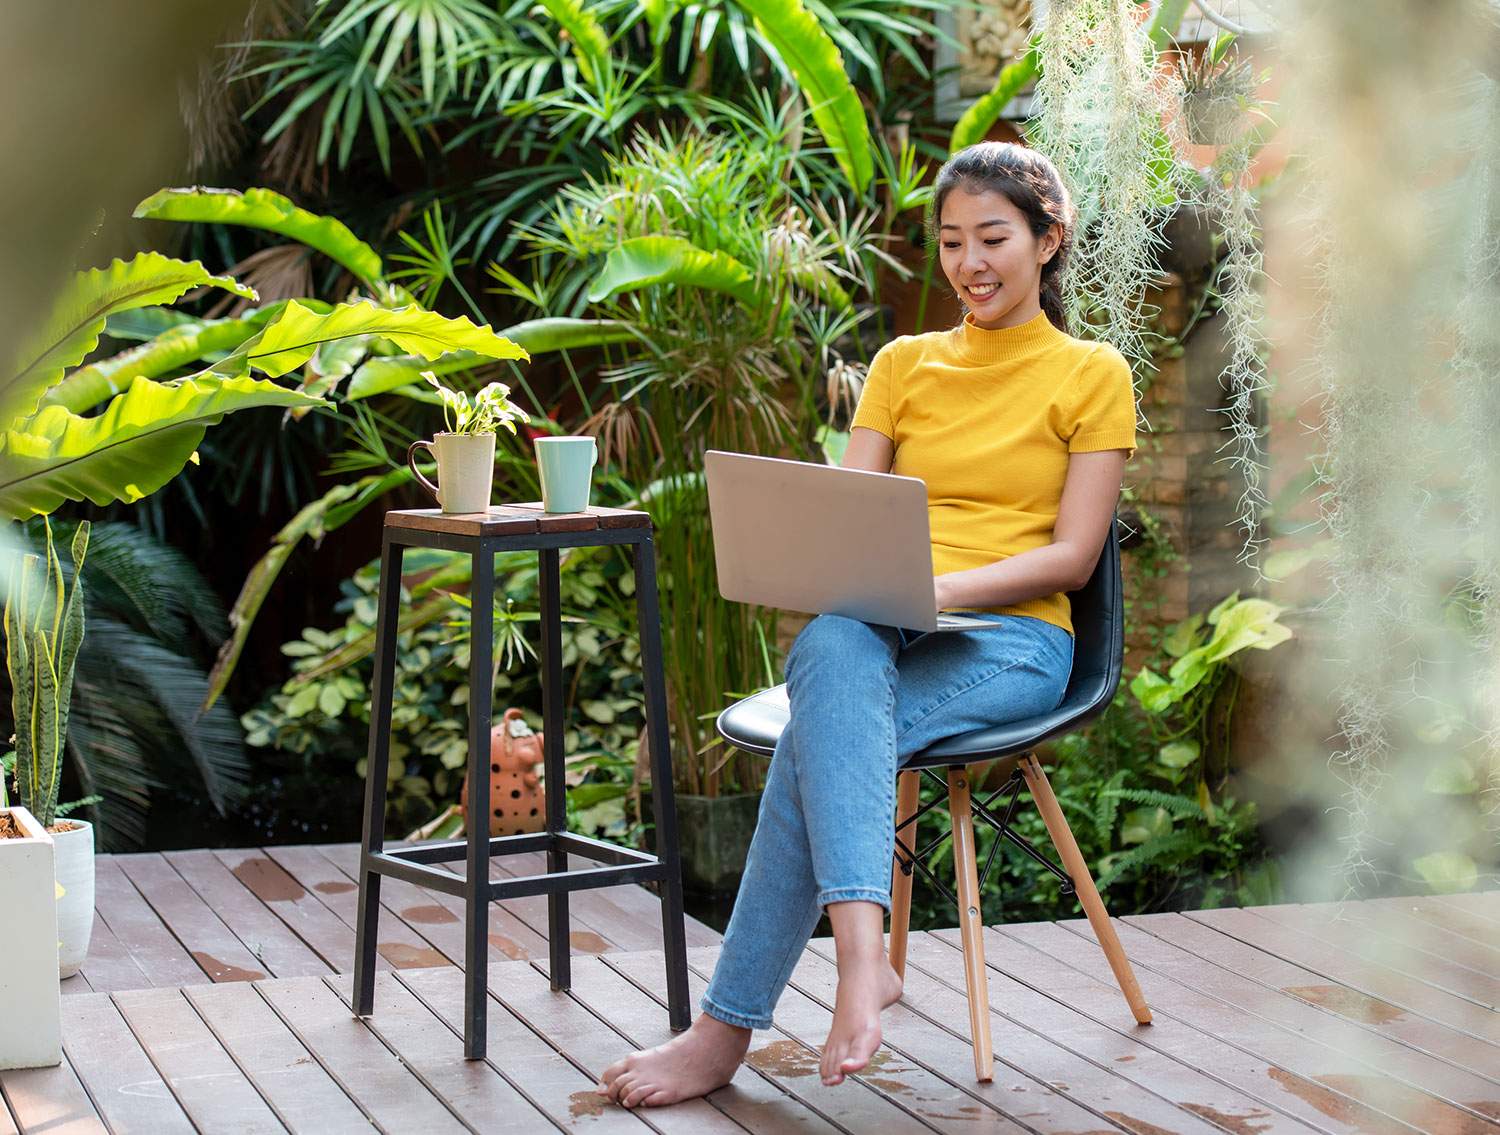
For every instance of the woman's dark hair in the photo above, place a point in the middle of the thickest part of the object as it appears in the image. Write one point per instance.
(1031, 183)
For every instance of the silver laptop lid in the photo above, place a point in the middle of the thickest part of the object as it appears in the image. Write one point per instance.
(821, 539)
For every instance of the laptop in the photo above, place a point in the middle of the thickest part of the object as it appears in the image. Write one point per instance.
(825, 540)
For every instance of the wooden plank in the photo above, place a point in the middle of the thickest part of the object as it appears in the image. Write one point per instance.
(532, 910)
(1403, 921)
(296, 1086)
(603, 517)
(549, 1082)
(1035, 1063)
(213, 946)
(269, 939)
(633, 903)
(120, 1079)
(496, 522)
(1199, 992)
(1486, 904)
(752, 1099)
(510, 938)
(50, 1101)
(1375, 937)
(479, 1096)
(1340, 966)
(323, 931)
(564, 1023)
(1369, 1013)
(1455, 920)
(440, 916)
(150, 942)
(1478, 904)
(1099, 1002)
(7, 1120)
(792, 1062)
(386, 1090)
(109, 965)
(211, 1089)
(1033, 1022)
(77, 983)
(396, 942)
(589, 909)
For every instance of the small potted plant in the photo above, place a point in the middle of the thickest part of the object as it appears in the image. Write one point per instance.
(1218, 91)
(465, 452)
(31, 1025)
(43, 630)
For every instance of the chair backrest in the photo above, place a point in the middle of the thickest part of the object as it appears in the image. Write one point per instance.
(1098, 633)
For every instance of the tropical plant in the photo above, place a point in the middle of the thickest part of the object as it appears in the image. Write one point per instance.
(486, 411)
(315, 722)
(43, 631)
(736, 291)
(136, 737)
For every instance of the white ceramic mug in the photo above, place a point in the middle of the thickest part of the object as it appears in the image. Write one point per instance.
(466, 470)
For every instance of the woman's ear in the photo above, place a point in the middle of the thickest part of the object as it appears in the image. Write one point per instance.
(1050, 242)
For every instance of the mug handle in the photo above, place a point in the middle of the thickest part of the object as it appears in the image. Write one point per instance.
(411, 462)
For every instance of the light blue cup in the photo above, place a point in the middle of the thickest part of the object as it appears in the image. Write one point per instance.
(566, 465)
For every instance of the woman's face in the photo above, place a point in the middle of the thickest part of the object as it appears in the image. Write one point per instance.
(991, 258)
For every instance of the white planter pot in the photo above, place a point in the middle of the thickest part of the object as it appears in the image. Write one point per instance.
(466, 470)
(75, 909)
(30, 1001)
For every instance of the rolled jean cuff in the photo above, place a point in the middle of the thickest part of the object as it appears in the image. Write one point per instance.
(855, 894)
(739, 1020)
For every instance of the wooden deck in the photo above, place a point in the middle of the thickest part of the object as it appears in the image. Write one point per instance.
(178, 918)
(1374, 1017)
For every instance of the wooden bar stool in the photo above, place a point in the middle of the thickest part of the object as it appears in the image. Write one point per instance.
(755, 723)
(482, 535)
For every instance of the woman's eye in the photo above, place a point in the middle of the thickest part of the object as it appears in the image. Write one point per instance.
(996, 240)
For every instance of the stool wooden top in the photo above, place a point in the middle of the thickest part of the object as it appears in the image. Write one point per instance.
(514, 520)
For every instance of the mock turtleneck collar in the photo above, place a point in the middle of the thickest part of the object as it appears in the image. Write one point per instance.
(986, 345)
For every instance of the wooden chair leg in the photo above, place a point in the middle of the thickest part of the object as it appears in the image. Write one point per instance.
(1083, 884)
(971, 924)
(907, 784)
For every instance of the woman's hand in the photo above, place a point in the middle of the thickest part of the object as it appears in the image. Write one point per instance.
(942, 592)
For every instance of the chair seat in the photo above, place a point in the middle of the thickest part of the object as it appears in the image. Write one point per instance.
(755, 723)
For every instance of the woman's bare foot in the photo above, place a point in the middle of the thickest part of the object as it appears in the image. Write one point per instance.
(865, 988)
(692, 1064)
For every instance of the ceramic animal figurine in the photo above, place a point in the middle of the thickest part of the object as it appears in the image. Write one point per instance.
(518, 802)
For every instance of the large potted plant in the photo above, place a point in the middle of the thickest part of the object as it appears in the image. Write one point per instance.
(31, 1025)
(43, 631)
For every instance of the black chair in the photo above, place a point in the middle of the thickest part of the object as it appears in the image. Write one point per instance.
(755, 723)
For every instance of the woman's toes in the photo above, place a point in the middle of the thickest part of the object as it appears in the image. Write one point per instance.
(637, 1093)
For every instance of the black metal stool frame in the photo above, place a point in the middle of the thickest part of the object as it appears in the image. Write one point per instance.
(416, 864)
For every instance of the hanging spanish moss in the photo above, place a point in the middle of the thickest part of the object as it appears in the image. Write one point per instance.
(1391, 114)
(1100, 113)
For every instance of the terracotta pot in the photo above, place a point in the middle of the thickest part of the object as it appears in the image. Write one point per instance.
(518, 802)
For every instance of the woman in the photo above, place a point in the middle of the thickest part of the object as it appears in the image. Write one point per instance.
(1021, 434)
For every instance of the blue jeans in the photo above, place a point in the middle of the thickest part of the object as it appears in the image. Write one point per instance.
(864, 699)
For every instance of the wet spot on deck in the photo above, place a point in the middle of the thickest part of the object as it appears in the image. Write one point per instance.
(330, 887)
(585, 1103)
(507, 947)
(884, 1083)
(430, 914)
(405, 956)
(1346, 1003)
(784, 1058)
(588, 942)
(1126, 1059)
(1139, 1126)
(1239, 1124)
(223, 971)
(268, 881)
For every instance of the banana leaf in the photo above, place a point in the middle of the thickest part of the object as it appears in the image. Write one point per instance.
(268, 210)
(79, 316)
(976, 121)
(646, 260)
(141, 441)
(814, 59)
(535, 336)
(289, 341)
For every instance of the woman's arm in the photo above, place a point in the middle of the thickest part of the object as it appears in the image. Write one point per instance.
(869, 450)
(1088, 503)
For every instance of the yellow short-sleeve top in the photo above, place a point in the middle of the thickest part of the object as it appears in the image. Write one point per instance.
(987, 419)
